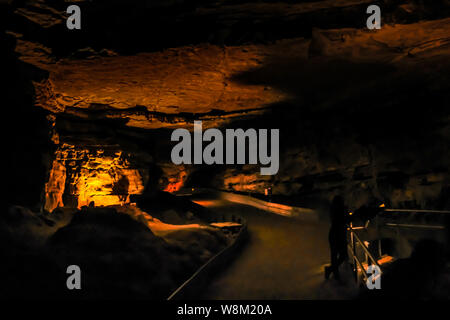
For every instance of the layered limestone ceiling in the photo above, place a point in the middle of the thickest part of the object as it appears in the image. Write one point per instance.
(168, 88)
(183, 80)
(92, 70)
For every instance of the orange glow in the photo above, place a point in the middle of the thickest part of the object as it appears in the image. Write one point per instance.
(245, 182)
(158, 227)
(174, 186)
(225, 224)
(55, 186)
(384, 259)
(176, 182)
(200, 79)
(205, 203)
(87, 176)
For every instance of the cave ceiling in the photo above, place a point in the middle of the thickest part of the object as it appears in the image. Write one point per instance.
(134, 67)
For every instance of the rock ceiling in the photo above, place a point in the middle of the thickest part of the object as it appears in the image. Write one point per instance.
(157, 89)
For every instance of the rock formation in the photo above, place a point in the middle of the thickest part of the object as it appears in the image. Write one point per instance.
(362, 112)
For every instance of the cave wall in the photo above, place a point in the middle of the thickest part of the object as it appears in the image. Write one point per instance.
(306, 178)
(26, 140)
(80, 177)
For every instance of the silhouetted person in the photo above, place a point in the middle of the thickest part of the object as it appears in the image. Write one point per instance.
(337, 237)
(120, 188)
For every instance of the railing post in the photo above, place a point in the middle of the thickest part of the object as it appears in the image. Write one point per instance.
(353, 251)
(378, 236)
(356, 264)
(353, 239)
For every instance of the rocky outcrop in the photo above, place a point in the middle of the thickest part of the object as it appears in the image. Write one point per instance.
(91, 177)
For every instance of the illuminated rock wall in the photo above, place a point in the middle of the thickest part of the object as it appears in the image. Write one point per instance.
(81, 176)
(400, 179)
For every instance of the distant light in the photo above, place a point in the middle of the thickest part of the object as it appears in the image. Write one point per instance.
(350, 213)
(382, 205)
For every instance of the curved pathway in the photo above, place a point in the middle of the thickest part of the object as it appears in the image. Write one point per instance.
(283, 259)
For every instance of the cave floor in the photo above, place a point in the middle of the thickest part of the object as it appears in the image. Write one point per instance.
(283, 259)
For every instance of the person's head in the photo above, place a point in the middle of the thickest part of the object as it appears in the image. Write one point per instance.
(337, 210)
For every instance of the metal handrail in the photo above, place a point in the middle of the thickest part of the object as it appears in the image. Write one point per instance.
(352, 247)
(355, 258)
(354, 237)
(416, 211)
(418, 226)
(366, 250)
(213, 260)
